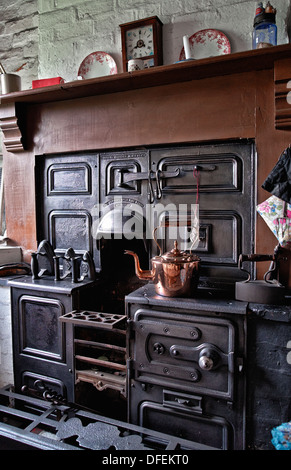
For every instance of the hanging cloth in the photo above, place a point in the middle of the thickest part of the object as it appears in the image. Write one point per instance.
(194, 233)
(278, 182)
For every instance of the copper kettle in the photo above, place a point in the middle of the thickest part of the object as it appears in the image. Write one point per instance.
(174, 274)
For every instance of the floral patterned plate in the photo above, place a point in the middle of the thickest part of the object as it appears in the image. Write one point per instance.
(207, 43)
(97, 64)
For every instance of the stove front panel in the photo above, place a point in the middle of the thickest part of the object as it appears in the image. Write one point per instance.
(189, 354)
(83, 199)
(186, 372)
(220, 179)
(42, 347)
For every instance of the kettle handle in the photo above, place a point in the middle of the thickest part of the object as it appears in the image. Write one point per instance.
(167, 224)
(155, 240)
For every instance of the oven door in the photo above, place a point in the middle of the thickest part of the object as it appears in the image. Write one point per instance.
(210, 432)
(187, 353)
(186, 376)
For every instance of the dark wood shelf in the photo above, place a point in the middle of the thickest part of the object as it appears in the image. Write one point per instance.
(240, 62)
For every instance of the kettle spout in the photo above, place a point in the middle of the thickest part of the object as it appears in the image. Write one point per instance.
(141, 274)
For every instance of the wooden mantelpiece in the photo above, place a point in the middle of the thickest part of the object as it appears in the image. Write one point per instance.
(249, 61)
(216, 99)
(283, 94)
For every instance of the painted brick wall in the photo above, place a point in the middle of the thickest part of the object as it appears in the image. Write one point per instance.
(70, 29)
(52, 37)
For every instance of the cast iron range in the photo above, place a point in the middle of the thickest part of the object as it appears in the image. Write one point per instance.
(176, 364)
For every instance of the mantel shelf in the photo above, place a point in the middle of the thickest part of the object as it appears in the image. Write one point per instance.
(244, 96)
(240, 62)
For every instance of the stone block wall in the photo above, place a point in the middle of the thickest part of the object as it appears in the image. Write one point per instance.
(19, 38)
(69, 30)
(52, 37)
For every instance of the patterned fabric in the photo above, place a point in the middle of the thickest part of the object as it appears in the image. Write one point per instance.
(277, 215)
(282, 437)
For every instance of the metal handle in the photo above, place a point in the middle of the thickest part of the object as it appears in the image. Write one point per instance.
(158, 182)
(152, 194)
(168, 224)
(126, 177)
(258, 258)
(207, 355)
(208, 358)
(150, 174)
(206, 363)
(198, 167)
(204, 167)
(192, 403)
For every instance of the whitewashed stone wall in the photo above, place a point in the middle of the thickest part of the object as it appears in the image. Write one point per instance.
(19, 38)
(52, 37)
(71, 29)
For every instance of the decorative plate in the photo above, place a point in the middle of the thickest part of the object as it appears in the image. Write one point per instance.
(207, 43)
(97, 64)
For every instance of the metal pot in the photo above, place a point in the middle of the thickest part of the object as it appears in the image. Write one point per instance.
(174, 274)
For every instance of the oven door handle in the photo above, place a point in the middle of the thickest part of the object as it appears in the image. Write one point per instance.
(189, 403)
(127, 177)
(207, 355)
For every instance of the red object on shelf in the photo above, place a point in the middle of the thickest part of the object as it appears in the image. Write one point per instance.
(47, 82)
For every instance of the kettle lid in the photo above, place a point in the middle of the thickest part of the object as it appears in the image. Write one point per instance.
(177, 256)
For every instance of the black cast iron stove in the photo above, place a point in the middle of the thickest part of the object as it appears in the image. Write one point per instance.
(186, 370)
(88, 332)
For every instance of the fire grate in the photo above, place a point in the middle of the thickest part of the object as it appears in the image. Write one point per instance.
(47, 426)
